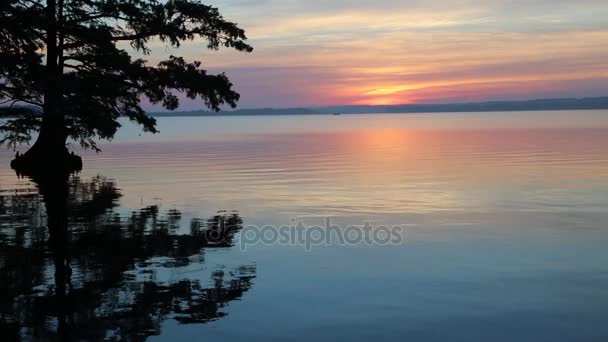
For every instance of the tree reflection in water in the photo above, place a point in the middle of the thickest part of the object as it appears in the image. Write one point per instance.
(73, 268)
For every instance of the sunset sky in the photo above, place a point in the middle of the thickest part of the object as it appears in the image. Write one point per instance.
(315, 53)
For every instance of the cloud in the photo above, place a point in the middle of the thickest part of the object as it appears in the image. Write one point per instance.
(313, 52)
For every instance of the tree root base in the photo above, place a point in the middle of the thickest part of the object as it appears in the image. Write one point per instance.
(38, 164)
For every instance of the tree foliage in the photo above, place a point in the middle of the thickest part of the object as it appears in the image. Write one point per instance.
(80, 64)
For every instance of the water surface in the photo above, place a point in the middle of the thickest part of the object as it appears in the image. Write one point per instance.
(504, 218)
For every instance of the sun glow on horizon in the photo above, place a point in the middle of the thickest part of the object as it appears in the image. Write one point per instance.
(312, 53)
(383, 101)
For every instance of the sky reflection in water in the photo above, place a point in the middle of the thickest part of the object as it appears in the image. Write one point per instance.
(505, 238)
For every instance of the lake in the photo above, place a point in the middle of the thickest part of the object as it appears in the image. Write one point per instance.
(434, 227)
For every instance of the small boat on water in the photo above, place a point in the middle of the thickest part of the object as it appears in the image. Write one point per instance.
(336, 114)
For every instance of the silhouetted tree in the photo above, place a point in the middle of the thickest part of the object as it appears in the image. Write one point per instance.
(66, 70)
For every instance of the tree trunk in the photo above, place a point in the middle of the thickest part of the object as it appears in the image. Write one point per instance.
(51, 141)
(49, 153)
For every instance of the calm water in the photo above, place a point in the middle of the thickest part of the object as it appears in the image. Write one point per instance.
(503, 216)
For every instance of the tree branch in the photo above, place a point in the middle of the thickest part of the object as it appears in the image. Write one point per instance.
(18, 99)
(115, 39)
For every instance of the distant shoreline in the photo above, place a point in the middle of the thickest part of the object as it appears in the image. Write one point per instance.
(591, 103)
(594, 103)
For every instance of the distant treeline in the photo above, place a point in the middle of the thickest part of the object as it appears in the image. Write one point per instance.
(494, 106)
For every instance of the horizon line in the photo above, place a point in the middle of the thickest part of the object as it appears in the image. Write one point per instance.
(605, 97)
